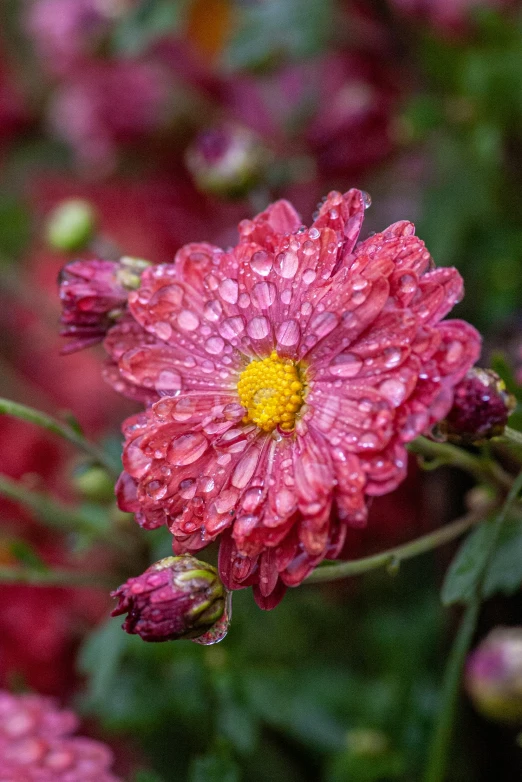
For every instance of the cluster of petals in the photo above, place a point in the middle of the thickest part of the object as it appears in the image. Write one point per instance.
(362, 321)
(91, 295)
(36, 744)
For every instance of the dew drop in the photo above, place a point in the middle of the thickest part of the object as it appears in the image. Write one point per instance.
(188, 320)
(232, 327)
(288, 333)
(366, 199)
(286, 296)
(258, 328)
(214, 345)
(156, 489)
(314, 233)
(187, 448)
(261, 263)
(220, 629)
(346, 365)
(169, 380)
(287, 264)
(309, 276)
(263, 294)
(213, 310)
(394, 390)
(163, 330)
(229, 290)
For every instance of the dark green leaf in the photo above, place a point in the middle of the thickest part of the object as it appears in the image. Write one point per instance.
(214, 768)
(504, 572)
(465, 571)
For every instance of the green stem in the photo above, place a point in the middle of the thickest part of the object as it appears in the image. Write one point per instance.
(67, 578)
(512, 435)
(8, 407)
(399, 553)
(438, 756)
(445, 453)
(54, 513)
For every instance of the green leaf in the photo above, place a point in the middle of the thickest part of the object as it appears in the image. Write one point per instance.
(465, 571)
(146, 22)
(214, 768)
(14, 228)
(100, 657)
(504, 573)
(146, 776)
(277, 29)
(26, 554)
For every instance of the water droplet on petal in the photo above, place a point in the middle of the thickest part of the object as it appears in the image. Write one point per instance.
(213, 310)
(366, 199)
(394, 390)
(214, 345)
(392, 357)
(288, 333)
(286, 296)
(258, 328)
(229, 290)
(314, 233)
(220, 629)
(169, 380)
(187, 448)
(156, 489)
(287, 264)
(346, 365)
(261, 263)
(309, 276)
(188, 320)
(163, 330)
(232, 327)
(263, 294)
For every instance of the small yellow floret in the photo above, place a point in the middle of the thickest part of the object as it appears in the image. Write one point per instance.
(271, 392)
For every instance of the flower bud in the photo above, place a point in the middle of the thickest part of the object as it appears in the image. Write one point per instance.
(70, 227)
(494, 675)
(226, 161)
(94, 295)
(177, 597)
(481, 407)
(93, 483)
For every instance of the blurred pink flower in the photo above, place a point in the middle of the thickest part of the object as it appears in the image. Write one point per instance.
(36, 744)
(65, 32)
(284, 377)
(105, 104)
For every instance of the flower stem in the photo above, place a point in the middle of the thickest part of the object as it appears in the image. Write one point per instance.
(445, 453)
(439, 750)
(52, 578)
(8, 407)
(396, 555)
(512, 435)
(438, 753)
(54, 513)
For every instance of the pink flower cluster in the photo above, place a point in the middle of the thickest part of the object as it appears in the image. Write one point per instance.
(36, 744)
(282, 379)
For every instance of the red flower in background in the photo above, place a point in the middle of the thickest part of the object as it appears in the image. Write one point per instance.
(36, 744)
(284, 377)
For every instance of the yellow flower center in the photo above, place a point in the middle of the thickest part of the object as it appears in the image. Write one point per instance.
(271, 392)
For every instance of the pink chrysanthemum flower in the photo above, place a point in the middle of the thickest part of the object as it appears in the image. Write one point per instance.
(283, 378)
(36, 745)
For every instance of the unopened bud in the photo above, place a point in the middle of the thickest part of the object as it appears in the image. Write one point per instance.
(177, 597)
(494, 675)
(94, 483)
(481, 408)
(226, 161)
(71, 225)
(94, 296)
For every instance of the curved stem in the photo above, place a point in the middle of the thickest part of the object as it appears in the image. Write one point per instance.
(512, 435)
(445, 453)
(438, 754)
(399, 553)
(8, 407)
(52, 578)
(441, 743)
